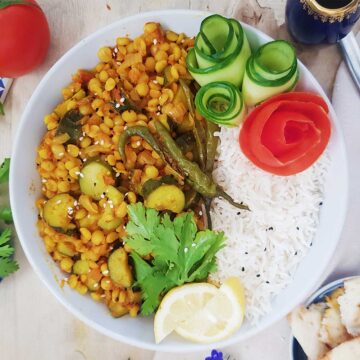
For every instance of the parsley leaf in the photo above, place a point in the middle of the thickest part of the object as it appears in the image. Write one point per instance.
(179, 252)
(7, 266)
(4, 171)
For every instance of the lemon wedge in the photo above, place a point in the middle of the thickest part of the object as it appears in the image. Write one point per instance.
(201, 312)
(180, 304)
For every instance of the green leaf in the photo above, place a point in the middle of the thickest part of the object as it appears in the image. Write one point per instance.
(143, 221)
(142, 246)
(6, 251)
(2, 112)
(6, 3)
(165, 244)
(142, 268)
(153, 287)
(5, 236)
(208, 262)
(7, 267)
(6, 215)
(4, 171)
(180, 253)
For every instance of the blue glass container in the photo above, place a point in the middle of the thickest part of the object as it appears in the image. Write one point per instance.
(320, 21)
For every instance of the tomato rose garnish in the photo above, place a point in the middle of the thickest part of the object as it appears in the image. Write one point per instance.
(287, 133)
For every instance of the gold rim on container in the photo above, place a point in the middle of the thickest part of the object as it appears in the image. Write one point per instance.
(337, 13)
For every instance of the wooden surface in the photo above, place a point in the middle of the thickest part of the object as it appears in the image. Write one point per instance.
(33, 325)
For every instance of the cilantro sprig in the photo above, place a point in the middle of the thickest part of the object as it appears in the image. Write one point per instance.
(180, 253)
(7, 265)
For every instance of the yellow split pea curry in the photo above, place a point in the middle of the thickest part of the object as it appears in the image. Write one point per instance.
(86, 185)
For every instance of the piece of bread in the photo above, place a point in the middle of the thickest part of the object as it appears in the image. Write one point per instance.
(349, 350)
(332, 331)
(350, 306)
(305, 325)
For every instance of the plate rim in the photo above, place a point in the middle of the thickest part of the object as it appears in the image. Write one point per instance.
(188, 347)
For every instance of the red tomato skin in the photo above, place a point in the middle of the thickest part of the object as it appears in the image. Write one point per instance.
(252, 124)
(25, 39)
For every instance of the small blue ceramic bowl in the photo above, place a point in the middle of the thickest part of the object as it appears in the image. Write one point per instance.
(296, 352)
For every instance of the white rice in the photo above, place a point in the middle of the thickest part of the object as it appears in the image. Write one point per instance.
(264, 246)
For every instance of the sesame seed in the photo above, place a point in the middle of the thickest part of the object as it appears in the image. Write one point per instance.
(155, 41)
(58, 202)
(61, 154)
(105, 272)
(116, 50)
(81, 138)
(193, 244)
(117, 105)
(122, 99)
(81, 175)
(200, 212)
(158, 113)
(155, 81)
(44, 181)
(117, 174)
(258, 275)
(186, 250)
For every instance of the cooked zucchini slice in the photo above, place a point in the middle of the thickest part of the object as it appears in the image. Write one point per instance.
(119, 268)
(151, 185)
(166, 197)
(58, 211)
(95, 177)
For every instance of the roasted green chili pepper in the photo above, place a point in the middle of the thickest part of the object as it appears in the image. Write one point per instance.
(186, 142)
(198, 129)
(143, 132)
(198, 180)
(169, 151)
(71, 125)
(212, 142)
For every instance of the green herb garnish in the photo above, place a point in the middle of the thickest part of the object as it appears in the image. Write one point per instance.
(7, 265)
(2, 112)
(180, 253)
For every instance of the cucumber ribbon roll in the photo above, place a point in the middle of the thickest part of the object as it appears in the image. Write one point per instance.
(271, 70)
(221, 103)
(220, 52)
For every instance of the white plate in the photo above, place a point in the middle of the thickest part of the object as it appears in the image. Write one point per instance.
(25, 189)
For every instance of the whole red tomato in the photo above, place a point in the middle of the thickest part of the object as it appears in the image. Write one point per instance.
(25, 38)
